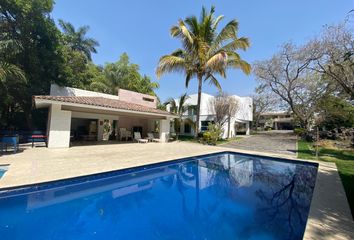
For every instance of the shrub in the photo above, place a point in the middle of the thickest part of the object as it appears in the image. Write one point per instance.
(212, 135)
(299, 131)
(268, 128)
(206, 138)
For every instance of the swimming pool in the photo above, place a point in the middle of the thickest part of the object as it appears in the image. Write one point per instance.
(3, 169)
(218, 196)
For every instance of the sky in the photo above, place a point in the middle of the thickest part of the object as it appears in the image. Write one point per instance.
(141, 29)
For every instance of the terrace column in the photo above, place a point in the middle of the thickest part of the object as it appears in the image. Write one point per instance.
(100, 129)
(247, 128)
(59, 127)
(164, 130)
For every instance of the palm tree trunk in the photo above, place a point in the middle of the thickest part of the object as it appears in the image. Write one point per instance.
(200, 81)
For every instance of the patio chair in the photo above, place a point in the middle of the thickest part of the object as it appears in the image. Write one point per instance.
(137, 137)
(151, 138)
(124, 133)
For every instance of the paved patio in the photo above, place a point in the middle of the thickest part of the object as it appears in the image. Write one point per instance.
(278, 142)
(329, 218)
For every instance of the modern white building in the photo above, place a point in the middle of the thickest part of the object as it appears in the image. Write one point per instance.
(80, 115)
(281, 120)
(240, 123)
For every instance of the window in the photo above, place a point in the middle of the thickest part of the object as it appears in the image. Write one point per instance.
(148, 99)
(204, 125)
(192, 110)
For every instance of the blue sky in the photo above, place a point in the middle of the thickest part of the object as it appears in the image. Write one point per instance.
(141, 28)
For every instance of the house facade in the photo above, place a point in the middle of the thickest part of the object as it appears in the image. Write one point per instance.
(81, 115)
(282, 120)
(240, 122)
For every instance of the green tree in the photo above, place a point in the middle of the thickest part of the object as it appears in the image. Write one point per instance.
(75, 68)
(30, 25)
(123, 74)
(206, 52)
(335, 112)
(77, 40)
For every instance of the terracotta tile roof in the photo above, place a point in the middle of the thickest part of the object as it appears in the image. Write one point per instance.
(103, 102)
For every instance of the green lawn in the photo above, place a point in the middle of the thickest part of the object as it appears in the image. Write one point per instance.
(222, 141)
(344, 159)
(184, 138)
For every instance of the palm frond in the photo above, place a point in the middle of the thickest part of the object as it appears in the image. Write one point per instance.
(170, 63)
(206, 21)
(216, 22)
(233, 55)
(77, 40)
(217, 61)
(178, 53)
(193, 25)
(83, 30)
(8, 70)
(240, 64)
(189, 75)
(67, 27)
(227, 33)
(213, 81)
(181, 31)
(182, 103)
(170, 101)
(239, 43)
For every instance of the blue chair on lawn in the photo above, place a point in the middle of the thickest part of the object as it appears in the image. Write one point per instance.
(9, 140)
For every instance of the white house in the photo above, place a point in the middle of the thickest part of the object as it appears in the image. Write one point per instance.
(76, 114)
(240, 123)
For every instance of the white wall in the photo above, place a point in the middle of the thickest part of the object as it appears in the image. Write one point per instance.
(164, 126)
(59, 127)
(245, 111)
(56, 90)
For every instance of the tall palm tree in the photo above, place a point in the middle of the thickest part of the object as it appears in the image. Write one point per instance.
(77, 40)
(179, 107)
(206, 52)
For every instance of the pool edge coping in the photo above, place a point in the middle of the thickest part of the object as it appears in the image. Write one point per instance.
(313, 226)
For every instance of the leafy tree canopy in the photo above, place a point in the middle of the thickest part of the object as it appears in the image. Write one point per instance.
(123, 74)
(29, 26)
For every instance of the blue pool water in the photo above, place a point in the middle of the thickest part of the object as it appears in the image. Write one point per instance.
(2, 172)
(221, 196)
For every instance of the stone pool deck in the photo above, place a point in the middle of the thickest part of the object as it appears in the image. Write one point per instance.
(329, 218)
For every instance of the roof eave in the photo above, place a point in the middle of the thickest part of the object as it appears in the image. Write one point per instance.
(42, 103)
